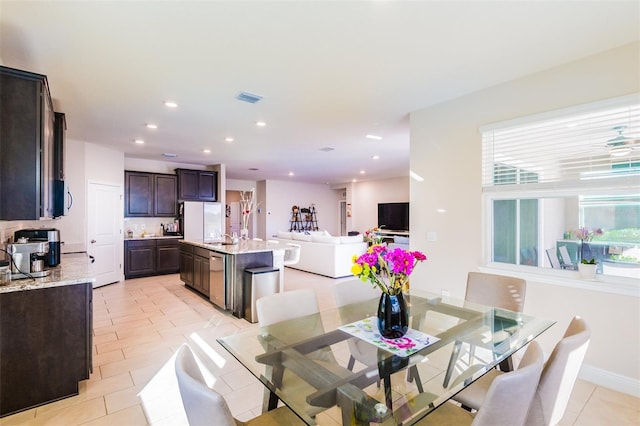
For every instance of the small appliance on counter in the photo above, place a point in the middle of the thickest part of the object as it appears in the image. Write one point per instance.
(28, 259)
(50, 235)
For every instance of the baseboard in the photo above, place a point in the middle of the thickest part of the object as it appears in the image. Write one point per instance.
(610, 380)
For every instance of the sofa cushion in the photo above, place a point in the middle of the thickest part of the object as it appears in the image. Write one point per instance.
(351, 239)
(284, 235)
(301, 237)
(325, 239)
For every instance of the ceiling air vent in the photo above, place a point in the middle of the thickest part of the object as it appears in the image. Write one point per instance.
(248, 97)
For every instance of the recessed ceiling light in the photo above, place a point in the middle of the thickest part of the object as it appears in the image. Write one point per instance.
(375, 137)
(290, 173)
(362, 172)
(354, 180)
(170, 155)
(228, 139)
(171, 104)
(206, 151)
(261, 123)
(376, 157)
(152, 126)
(139, 141)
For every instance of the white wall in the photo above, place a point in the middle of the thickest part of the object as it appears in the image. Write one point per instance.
(280, 196)
(446, 151)
(365, 197)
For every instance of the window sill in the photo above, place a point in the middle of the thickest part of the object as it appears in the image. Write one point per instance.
(606, 284)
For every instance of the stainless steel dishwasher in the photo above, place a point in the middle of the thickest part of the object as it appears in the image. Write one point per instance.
(217, 290)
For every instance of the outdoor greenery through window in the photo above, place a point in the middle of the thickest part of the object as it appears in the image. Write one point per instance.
(563, 188)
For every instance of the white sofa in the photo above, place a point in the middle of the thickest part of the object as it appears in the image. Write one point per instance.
(324, 254)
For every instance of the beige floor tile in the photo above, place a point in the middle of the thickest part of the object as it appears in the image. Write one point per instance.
(607, 407)
(120, 400)
(73, 415)
(130, 416)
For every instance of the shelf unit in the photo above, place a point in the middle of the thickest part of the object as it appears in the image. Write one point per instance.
(303, 219)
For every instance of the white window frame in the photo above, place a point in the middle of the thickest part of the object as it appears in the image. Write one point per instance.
(595, 187)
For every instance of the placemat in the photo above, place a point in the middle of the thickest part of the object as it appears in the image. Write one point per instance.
(367, 329)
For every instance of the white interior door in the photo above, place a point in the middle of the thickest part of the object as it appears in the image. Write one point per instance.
(105, 244)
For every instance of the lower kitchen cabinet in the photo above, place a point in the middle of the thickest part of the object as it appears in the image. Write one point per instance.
(46, 344)
(143, 258)
(194, 268)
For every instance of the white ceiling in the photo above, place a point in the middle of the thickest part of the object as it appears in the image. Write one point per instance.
(330, 72)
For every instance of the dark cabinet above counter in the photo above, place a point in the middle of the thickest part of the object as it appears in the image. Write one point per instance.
(197, 185)
(150, 194)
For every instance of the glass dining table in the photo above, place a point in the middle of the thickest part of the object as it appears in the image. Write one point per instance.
(333, 368)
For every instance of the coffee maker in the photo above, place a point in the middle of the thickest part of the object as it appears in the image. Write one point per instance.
(27, 259)
(50, 235)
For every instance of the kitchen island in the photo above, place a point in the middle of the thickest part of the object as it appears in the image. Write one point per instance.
(217, 270)
(46, 335)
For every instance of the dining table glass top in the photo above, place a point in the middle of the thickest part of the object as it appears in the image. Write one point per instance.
(320, 361)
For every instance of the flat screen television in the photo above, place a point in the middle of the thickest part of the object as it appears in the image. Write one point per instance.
(393, 216)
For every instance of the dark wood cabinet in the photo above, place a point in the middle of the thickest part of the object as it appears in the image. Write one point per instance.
(143, 258)
(194, 268)
(139, 258)
(201, 270)
(167, 256)
(186, 264)
(46, 344)
(197, 185)
(60, 129)
(165, 198)
(26, 146)
(150, 194)
(138, 194)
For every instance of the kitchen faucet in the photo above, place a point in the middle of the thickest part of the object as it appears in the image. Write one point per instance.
(234, 239)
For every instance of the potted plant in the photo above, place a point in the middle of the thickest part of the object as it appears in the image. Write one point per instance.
(586, 267)
(389, 270)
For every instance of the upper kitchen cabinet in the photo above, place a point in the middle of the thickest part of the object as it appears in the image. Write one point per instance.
(197, 185)
(26, 145)
(150, 195)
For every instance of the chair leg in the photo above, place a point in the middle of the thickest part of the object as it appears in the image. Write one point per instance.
(414, 375)
(452, 362)
(352, 361)
(387, 392)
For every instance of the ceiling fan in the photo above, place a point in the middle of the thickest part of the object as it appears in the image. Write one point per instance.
(621, 145)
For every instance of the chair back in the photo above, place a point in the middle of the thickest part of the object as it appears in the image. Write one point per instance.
(496, 290)
(292, 254)
(354, 291)
(553, 258)
(203, 405)
(509, 396)
(564, 254)
(559, 375)
(287, 305)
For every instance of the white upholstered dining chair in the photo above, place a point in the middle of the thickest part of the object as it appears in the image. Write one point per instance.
(556, 383)
(507, 401)
(205, 406)
(500, 291)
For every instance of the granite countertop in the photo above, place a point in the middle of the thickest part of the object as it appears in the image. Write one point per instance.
(73, 269)
(243, 246)
(154, 237)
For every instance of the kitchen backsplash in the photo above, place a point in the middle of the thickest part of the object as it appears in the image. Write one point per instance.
(140, 226)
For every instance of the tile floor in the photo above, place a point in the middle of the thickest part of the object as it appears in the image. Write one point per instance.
(138, 326)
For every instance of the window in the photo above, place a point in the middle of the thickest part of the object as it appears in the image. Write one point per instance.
(548, 175)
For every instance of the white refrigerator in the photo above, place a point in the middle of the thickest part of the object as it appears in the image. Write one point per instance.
(202, 221)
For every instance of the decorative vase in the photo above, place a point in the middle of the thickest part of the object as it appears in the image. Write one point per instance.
(393, 317)
(244, 233)
(587, 271)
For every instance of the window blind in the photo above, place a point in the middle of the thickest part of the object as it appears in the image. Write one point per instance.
(564, 148)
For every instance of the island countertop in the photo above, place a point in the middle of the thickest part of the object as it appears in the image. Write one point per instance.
(243, 246)
(73, 269)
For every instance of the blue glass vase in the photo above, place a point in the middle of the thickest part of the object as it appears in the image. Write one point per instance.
(393, 316)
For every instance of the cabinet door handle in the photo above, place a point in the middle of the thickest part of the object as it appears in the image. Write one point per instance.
(93, 241)
(93, 259)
